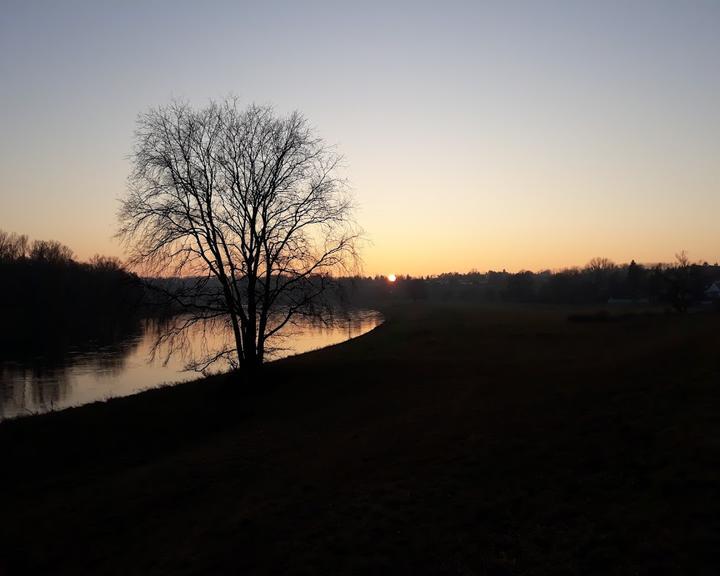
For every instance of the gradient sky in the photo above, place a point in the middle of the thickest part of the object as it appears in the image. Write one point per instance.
(485, 135)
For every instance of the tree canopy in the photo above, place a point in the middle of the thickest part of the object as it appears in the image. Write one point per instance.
(247, 203)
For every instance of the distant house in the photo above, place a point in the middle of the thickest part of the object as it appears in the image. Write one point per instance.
(713, 292)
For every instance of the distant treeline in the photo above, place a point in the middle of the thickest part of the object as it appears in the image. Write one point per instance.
(46, 294)
(678, 285)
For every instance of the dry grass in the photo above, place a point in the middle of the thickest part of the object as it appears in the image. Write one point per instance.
(451, 440)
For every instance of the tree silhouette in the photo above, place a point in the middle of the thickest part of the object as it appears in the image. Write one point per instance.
(245, 205)
(678, 279)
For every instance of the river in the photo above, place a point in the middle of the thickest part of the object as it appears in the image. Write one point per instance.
(90, 372)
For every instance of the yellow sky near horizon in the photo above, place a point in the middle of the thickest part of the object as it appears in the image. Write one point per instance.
(476, 135)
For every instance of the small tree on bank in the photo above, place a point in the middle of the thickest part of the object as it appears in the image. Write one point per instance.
(247, 207)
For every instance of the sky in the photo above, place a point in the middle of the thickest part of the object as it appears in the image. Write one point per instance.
(477, 135)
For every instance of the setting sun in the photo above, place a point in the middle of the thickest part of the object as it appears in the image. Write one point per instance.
(391, 278)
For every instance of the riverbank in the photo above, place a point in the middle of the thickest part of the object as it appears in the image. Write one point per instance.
(450, 440)
(38, 380)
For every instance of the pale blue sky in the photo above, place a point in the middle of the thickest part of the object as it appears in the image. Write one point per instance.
(477, 134)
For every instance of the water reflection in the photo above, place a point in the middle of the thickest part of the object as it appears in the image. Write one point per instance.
(95, 371)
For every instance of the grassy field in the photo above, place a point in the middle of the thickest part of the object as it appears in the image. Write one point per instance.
(451, 440)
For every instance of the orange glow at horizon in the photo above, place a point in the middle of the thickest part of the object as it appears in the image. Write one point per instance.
(541, 159)
(514, 249)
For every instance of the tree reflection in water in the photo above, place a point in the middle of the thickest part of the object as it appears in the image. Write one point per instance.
(129, 360)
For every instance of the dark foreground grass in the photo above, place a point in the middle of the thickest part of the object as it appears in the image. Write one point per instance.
(451, 440)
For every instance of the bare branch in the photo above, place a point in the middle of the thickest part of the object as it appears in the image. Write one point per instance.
(245, 209)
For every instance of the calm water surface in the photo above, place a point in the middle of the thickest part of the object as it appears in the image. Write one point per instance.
(85, 374)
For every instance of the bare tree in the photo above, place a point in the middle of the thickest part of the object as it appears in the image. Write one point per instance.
(13, 246)
(599, 265)
(17, 247)
(678, 280)
(246, 209)
(50, 251)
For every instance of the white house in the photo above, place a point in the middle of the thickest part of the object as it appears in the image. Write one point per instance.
(713, 292)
